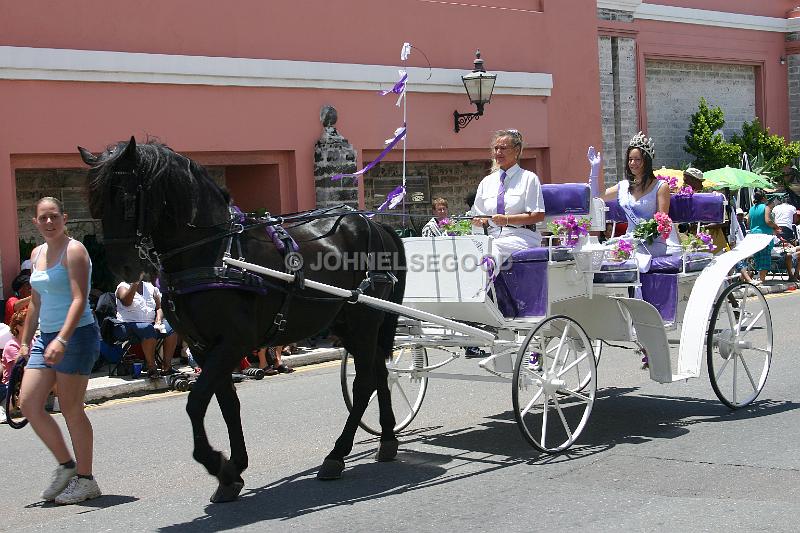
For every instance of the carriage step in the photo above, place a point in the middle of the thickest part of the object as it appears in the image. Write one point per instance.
(682, 376)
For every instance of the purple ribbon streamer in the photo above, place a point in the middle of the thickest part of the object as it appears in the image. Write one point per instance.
(398, 88)
(374, 161)
(491, 266)
(391, 196)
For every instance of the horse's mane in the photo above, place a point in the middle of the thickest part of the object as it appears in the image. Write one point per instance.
(164, 174)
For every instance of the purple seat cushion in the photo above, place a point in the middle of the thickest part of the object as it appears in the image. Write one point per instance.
(566, 198)
(672, 264)
(530, 255)
(700, 207)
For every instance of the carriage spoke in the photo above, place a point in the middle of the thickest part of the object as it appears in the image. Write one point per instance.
(572, 364)
(532, 402)
(730, 313)
(403, 393)
(561, 416)
(735, 373)
(576, 395)
(721, 369)
(753, 323)
(749, 375)
(561, 343)
(762, 350)
(544, 420)
(533, 373)
(742, 312)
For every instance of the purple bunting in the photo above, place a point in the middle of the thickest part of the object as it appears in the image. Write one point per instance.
(392, 143)
(393, 198)
(398, 88)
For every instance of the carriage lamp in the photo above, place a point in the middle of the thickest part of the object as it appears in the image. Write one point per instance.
(479, 85)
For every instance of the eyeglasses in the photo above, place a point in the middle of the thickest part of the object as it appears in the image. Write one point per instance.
(502, 148)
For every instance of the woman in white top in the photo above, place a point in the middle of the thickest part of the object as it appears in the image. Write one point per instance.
(508, 199)
(139, 306)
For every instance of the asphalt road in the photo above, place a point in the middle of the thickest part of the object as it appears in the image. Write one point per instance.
(654, 457)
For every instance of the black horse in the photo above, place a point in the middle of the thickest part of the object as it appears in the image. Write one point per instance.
(159, 206)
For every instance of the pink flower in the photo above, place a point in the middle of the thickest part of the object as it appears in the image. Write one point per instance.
(664, 224)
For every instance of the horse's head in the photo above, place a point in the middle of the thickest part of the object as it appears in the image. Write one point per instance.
(116, 196)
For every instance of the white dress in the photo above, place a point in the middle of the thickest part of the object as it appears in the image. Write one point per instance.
(523, 194)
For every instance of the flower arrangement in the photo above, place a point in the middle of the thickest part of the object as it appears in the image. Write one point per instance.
(570, 228)
(672, 182)
(700, 241)
(658, 226)
(621, 251)
(455, 227)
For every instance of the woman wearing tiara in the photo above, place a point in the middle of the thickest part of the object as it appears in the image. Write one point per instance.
(641, 195)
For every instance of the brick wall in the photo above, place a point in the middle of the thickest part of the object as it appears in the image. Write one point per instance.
(673, 92)
(68, 185)
(451, 181)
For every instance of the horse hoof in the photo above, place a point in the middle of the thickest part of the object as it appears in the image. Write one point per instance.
(227, 493)
(330, 469)
(387, 451)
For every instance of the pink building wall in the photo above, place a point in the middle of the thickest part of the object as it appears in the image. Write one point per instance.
(258, 128)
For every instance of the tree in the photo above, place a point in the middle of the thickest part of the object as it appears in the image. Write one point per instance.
(769, 154)
(709, 148)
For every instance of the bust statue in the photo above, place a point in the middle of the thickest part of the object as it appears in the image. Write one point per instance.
(328, 116)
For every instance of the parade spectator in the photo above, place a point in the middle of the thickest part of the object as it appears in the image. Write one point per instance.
(139, 307)
(759, 219)
(693, 177)
(22, 295)
(10, 354)
(63, 354)
(440, 212)
(509, 199)
(783, 214)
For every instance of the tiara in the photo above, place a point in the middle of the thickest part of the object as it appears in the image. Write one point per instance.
(644, 143)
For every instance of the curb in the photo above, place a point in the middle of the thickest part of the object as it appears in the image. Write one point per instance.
(103, 387)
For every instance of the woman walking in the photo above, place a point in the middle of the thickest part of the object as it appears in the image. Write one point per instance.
(63, 354)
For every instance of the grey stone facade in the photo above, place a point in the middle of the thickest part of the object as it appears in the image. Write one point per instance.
(673, 91)
(618, 102)
(793, 67)
(333, 154)
(69, 186)
(451, 181)
(615, 14)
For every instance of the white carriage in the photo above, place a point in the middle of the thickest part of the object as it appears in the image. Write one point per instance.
(542, 322)
(549, 315)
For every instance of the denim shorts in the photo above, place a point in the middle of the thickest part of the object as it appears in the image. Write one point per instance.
(81, 353)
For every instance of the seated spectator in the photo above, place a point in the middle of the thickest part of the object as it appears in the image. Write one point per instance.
(139, 307)
(783, 213)
(269, 360)
(440, 212)
(10, 353)
(22, 295)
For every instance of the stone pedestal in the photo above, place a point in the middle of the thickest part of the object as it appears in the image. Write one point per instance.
(333, 155)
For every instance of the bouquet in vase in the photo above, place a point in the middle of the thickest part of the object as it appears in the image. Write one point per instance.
(621, 251)
(455, 227)
(701, 241)
(570, 229)
(658, 226)
(672, 183)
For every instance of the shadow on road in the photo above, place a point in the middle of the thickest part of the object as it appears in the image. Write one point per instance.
(618, 417)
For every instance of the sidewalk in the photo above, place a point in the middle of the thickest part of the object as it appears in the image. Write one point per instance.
(103, 387)
(773, 286)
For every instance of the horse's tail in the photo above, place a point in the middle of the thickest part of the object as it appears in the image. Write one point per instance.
(387, 329)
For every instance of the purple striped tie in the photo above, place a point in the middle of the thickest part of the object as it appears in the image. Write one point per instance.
(501, 194)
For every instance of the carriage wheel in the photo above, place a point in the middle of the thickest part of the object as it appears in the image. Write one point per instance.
(739, 345)
(407, 390)
(550, 409)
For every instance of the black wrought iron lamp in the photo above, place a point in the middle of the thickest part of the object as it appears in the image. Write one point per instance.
(479, 85)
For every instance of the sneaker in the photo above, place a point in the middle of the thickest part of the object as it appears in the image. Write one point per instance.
(3, 418)
(61, 478)
(78, 490)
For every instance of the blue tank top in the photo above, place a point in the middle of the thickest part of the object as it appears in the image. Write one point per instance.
(53, 287)
(758, 224)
